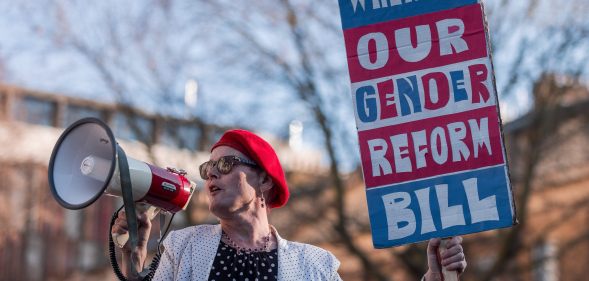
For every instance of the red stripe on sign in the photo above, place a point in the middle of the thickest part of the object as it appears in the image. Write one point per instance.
(431, 147)
(415, 43)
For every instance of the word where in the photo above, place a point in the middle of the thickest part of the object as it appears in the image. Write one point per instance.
(378, 4)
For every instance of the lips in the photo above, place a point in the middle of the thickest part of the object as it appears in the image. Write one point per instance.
(213, 189)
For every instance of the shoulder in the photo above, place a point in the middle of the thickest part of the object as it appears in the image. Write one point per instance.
(312, 253)
(311, 256)
(308, 254)
(307, 262)
(185, 236)
(188, 253)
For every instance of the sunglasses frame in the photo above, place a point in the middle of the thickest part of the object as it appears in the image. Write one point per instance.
(203, 169)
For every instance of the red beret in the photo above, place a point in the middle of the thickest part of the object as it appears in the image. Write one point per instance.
(260, 151)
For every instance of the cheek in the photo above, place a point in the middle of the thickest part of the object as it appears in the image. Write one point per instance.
(249, 188)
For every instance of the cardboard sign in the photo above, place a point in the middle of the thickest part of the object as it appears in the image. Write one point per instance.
(430, 138)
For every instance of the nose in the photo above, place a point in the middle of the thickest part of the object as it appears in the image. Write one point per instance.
(212, 172)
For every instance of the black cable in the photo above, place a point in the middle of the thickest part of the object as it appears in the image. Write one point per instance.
(113, 257)
(111, 248)
(164, 234)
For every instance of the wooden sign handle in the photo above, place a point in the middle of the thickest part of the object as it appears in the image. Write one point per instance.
(446, 274)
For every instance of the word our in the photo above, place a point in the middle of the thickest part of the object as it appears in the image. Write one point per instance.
(416, 43)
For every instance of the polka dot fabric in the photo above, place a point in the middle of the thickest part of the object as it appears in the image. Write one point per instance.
(306, 262)
(231, 265)
(189, 255)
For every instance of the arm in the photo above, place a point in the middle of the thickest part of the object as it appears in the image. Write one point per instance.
(452, 258)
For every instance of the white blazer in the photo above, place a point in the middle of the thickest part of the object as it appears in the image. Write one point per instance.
(189, 254)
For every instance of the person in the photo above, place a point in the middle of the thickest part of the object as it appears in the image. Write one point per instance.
(243, 180)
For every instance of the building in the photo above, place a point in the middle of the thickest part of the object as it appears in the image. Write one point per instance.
(40, 240)
(548, 151)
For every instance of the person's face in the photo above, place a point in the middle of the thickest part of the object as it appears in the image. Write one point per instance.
(234, 191)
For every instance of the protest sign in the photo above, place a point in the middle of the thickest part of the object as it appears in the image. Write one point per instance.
(426, 107)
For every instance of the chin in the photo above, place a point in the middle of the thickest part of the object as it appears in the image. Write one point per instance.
(218, 209)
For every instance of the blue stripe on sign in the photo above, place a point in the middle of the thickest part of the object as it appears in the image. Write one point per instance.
(410, 225)
(357, 13)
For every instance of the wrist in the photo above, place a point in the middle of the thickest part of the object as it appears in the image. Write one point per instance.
(135, 258)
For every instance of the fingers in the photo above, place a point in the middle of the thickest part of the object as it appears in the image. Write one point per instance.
(457, 266)
(451, 250)
(453, 257)
(455, 241)
(121, 226)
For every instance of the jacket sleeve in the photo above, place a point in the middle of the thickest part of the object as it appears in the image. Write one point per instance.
(335, 276)
(165, 270)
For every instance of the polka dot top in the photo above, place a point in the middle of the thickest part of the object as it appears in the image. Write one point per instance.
(231, 265)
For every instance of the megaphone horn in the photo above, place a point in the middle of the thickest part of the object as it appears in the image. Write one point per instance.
(84, 165)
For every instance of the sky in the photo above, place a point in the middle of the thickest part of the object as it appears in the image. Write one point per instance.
(155, 51)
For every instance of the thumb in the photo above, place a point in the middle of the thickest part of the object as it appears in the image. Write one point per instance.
(433, 260)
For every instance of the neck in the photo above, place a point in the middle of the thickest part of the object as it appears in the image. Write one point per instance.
(247, 231)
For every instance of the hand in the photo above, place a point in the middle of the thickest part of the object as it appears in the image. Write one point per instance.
(139, 254)
(452, 258)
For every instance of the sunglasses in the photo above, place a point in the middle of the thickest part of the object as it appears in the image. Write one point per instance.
(224, 165)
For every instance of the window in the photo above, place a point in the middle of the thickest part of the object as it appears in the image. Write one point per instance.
(75, 113)
(35, 111)
(181, 136)
(133, 128)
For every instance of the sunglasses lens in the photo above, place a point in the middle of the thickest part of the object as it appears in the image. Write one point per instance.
(224, 165)
(203, 169)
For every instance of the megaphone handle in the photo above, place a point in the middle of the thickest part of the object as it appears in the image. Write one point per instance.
(130, 213)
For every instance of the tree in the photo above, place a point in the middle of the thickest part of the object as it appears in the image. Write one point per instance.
(297, 46)
(296, 51)
(544, 46)
(138, 55)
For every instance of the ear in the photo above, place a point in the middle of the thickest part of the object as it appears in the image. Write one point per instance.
(266, 182)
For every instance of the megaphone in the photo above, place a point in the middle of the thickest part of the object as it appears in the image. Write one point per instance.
(84, 166)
